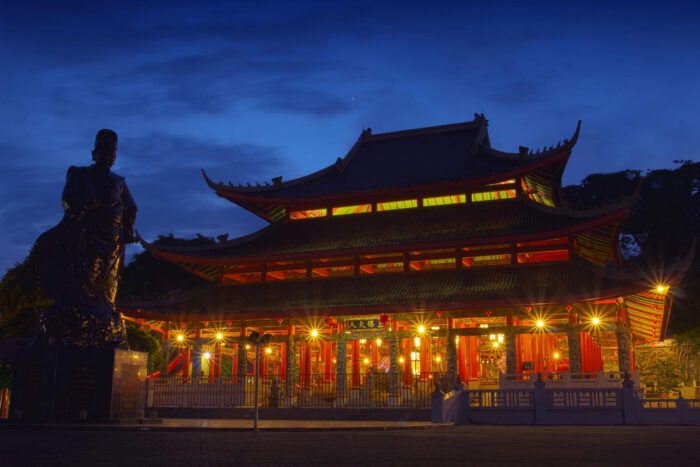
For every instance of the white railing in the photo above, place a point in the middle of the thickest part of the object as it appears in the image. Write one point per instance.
(566, 380)
(495, 399)
(583, 399)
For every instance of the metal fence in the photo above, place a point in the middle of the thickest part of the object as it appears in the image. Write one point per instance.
(379, 390)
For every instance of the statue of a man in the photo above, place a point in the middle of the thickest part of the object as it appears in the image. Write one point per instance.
(80, 259)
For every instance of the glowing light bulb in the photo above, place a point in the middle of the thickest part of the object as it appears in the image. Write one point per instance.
(421, 329)
(366, 361)
(438, 359)
(540, 323)
(556, 355)
(363, 341)
(219, 335)
(180, 338)
(314, 333)
(495, 344)
(268, 350)
(379, 342)
(595, 321)
(402, 360)
(207, 355)
(661, 288)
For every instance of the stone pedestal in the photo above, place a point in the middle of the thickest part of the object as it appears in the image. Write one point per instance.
(78, 384)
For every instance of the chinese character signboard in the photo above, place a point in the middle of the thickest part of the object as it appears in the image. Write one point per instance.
(363, 325)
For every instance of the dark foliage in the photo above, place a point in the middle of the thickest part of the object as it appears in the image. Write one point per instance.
(146, 277)
(21, 301)
(145, 341)
(661, 226)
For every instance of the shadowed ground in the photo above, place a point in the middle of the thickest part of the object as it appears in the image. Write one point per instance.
(466, 445)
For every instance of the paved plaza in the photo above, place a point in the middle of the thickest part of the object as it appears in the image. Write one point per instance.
(465, 445)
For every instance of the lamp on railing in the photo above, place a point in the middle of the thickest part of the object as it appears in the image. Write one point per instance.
(257, 340)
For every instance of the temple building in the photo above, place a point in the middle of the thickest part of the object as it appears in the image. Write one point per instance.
(421, 254)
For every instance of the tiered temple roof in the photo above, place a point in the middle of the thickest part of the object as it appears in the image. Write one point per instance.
(412, 221)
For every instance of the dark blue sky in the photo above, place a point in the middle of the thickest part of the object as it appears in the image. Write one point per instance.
(252, 90)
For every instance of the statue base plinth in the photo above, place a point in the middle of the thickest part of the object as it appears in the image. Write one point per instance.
(79, 385)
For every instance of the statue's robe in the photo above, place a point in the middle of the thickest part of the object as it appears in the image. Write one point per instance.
(80, 260)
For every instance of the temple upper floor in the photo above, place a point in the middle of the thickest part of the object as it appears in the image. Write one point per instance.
(415, 168)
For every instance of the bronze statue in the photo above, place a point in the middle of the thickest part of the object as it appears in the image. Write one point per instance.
(80, 259)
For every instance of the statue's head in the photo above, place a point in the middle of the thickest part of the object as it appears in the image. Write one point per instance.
(105, 152)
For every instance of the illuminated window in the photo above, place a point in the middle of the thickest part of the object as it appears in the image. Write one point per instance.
(432, 264)
(501, 246)
(308, 214)
(357, 209)
(444, 200)
(538, 189)
(244, 277)
(504, 182)
(493, 195)
(334, 271)
(381, 268)
(486, 260)
(543, 256)
(549, 241)
(394, 205)
(285, 275)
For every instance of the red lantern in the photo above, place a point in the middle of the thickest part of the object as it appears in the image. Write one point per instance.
(568, 307)
(384, 319)
(439, 313)
(528, 309)
(330, 321)
(206, 323)
(229, 323)
(488, 312)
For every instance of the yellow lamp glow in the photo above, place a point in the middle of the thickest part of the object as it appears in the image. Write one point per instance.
(421, 329)
(438, 359)
(379, 342)
(247, 346)
(268, 350)
(402, 360)
(314, 333)
(416, 341)
(219, 335)
(595, 321)
(661, 288)
(363, 341)
(180, 338)
(495, 344)
(540, 323)
(366, 361)
(556, 355)
(207, 355)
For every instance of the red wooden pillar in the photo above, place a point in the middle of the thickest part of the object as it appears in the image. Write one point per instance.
(283, 361)
(186, 362)
(426, 357)
(355, 362)
(328, 360)
(462, 359)
(518, 349)
(219, 356)
(407, 364)
(307, 364)
(534, 339)
(474, 357)
(374, 353)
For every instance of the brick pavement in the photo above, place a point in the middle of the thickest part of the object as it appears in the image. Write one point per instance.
(465, 445)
